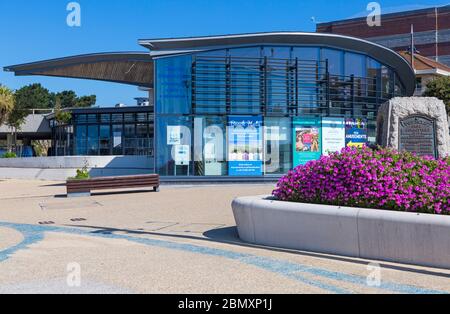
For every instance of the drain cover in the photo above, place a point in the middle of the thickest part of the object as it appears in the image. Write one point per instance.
(46, 223)
(77, 219)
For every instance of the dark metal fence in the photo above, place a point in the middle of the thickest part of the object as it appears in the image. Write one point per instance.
(280, 87)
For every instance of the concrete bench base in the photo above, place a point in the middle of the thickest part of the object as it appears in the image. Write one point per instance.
(410, 238)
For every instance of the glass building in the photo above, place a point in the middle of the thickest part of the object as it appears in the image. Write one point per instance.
(247, 105)
(104, 132)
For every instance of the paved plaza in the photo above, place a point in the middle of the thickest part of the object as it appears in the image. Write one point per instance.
(181, 240)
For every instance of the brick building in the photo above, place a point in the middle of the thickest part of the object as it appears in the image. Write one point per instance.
(431, 31)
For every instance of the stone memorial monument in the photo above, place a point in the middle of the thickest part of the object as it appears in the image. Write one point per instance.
(414, 124)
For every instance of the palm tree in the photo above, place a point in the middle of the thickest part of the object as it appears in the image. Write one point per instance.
(6, 102)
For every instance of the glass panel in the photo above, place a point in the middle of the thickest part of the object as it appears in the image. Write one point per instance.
(80, 118)
(93, 140)
(210, 146)
(277, 52)
(117, 139)
(306, 53)
(117, 117)
(277, 85)
(174, 85)
(386, 82)
(105, 140)
(210, 85)
(310, 70)
(143, 143)
(92, 118)
(245, 86)
(130, 139)
(142, 117)
(278, 145)
(373, 73)
(214, 53)
(129, 117)
(174, 146)
(335, 61)
(251, 52)
(81, 140)
(105, 118)
(355, 64)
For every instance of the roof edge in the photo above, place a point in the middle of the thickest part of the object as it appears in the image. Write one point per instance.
(92, 57)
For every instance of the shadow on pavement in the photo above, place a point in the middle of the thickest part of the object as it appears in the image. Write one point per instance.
(110, 193)
(229, 235)
(53, 185)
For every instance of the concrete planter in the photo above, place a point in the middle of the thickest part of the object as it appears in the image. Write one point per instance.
(410, 238)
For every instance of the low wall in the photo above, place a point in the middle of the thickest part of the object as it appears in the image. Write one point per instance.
(363, 233)
(60, 168)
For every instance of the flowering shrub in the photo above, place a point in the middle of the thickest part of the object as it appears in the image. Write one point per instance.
(381, 179)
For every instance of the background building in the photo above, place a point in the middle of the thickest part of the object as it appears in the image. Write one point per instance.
(431, 31)
(426, 70)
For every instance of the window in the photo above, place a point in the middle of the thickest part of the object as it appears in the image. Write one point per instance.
(81, 136)
(105, 140)
(117, 139)
(335, 61)
(210, 148)
(419, 84)
(129, 139)
(278, 145)
(93, 140)
(174, 144)
(387, 82)
(355, 64)
(173, 80)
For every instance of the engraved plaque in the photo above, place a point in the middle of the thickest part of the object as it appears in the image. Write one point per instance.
(418, 135)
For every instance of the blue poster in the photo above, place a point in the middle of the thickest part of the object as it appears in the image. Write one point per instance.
(355, 132)
(245, 146)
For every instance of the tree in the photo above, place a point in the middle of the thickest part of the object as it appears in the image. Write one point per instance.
(26, 98)
(34, 96)
(86, 101)
(62, 117)
(440, 88)
(69, 99)
(6, 103)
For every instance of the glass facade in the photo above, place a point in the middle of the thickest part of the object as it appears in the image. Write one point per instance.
(241, 112)
(104, 132)
(251, 111)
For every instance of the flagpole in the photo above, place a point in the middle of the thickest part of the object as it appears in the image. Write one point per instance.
(412, 47)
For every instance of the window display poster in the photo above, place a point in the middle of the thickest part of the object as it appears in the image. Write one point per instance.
(245, 146)
(333, 135)
(182, 153)
(173, 135)
(307, 140)
(355, 132)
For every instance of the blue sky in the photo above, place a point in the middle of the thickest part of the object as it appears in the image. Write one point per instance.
(33, 30)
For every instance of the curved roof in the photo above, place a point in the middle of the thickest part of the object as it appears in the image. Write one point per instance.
(378, 52)
(135, 68)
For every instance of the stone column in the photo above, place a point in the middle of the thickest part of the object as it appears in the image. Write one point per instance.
(415, 124)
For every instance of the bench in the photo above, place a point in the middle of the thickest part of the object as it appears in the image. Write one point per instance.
(84, 187)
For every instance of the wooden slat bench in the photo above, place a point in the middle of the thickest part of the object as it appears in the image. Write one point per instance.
(84, 187)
